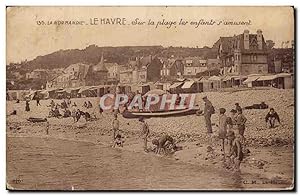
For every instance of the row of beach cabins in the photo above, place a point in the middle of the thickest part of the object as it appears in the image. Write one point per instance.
(195, 85)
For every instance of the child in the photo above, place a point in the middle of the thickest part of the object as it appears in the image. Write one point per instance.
(118, 141)
(236, 152)
(230, 132)
(271, 117)
(222, 127)
(163, 143)
(116, 126)
(240, 121)
(233, 114)
(145, 132)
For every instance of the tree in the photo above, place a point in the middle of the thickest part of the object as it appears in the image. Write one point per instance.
(270, 44)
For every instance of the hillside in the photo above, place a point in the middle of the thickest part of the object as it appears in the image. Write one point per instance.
(120, 55)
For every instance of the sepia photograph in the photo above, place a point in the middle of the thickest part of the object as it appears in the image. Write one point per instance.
(150, 98)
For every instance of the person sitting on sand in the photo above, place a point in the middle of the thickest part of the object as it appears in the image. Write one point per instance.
(78, 114)
(87, 116)
(56, 112)
(271, 118)
(89, 104)
(67, 113)
(64, 105)
(74, 104)
(118, 141)
(85, 104)
(236, 152)
(163, 143)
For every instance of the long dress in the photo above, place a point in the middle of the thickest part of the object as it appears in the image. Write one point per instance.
(27, 108)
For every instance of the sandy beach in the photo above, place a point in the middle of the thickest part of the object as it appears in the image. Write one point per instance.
(271, 150)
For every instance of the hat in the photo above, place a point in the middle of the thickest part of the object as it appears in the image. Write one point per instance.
(205, 97)
(236, 104)
(222, 110)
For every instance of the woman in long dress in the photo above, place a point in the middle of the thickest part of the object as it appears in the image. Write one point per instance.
(27, 108)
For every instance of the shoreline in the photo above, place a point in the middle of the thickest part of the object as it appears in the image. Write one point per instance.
(270, 149)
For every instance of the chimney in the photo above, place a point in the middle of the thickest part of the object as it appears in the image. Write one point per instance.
(259, 39)
(246, 39)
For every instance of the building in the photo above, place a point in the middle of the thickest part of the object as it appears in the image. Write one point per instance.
(243, 54)
(281, 60)
(113, 71)
(171, 68)
(150, 67)
(125, 75)
(97, 74)
(73, 76)
(141, 70)
(194, 65)
(37, 74)
(213, 64)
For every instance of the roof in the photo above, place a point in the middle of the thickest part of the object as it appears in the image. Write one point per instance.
(213, 61)
(237, 41)
(110, 65)
(214, 78)
(170, 62)
(269, 77)
(188, 84)
(226, 78)
(77, 66)
(176, 84)
(195, 61)
(283, 75)
(251, 79)
(100, 66)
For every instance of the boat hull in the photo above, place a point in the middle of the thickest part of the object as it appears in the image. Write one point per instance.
(164, 114)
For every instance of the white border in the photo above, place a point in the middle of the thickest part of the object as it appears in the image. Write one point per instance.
(4, 3)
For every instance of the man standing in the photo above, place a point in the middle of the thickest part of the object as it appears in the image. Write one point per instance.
(208, 111)
(144, 132)
(37, 100)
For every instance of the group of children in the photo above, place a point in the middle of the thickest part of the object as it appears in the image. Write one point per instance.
(163, 144)
(232, 129)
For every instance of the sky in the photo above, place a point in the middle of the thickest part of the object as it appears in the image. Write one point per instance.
(27, 40)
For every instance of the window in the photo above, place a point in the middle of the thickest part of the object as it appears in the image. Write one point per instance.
(259, 68)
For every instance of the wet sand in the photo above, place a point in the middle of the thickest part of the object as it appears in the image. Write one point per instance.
(270, 162)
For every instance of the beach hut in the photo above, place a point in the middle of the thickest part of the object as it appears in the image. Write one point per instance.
(176, 87)
(215, 82)
(189, 86)
(266, 80)
(226, 81)
(204, 84)
(250, 81)
(88, 91)
(284, 80)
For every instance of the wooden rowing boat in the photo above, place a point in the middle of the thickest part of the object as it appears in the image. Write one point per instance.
(181, 112)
